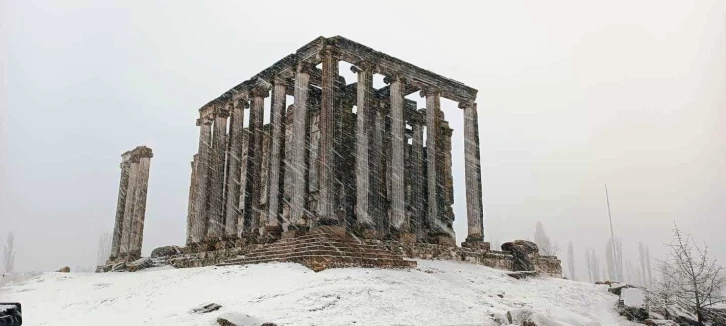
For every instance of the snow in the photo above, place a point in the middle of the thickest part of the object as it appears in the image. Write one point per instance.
(435, 293)
(633, 297)
(4, 307)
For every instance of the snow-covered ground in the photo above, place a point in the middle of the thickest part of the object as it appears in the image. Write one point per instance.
(436, 293)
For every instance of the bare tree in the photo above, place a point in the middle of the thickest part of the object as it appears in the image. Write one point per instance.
(644, 255)
(697, 277)
(104, 248)
(571, 261)
(9, 253)
(614, 259)
(546, 247)
(593, 265)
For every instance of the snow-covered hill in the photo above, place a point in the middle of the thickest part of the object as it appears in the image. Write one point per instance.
(436, 293)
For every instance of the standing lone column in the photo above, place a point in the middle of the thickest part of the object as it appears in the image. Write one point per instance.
(219, 149)
(120, 206)
(254, 159)
(363, 116)
(326, 159)
(192, 198)
(472, 171)
(199, 228)
(302, 80)
(142, 184)
(129, 206)
(278, 145)
(236, 134)
(397, 196)
(432, 126)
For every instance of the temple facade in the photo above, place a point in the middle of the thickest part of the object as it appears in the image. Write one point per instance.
(340, 154)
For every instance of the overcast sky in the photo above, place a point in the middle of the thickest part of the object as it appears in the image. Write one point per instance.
(572, 95)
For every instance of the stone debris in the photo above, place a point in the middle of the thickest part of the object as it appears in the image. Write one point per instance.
(240, 319)
(64, 269)
(165, 251)
(140, 264)
(206, 308)
(523, 274)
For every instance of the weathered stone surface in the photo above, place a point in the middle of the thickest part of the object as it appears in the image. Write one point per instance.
(240, 319)
(140, 264)
(522, 274)
(64, 269)
(165, 251)
(656, 322)
(524, 252)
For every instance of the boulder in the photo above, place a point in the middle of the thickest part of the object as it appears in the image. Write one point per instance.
(64, 269)
(166, 251)
(140, 264)
(525, 254)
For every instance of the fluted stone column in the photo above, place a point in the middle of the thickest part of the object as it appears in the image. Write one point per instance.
(219, 149)
(417, 178)
(191, 208)
(378, 168)
(278, 147)
(125, 246)
(364, 112)
(472, 171)
(326, 124)
(254, 159)
(432, 126)
(234, 160)
(199, 228)
(297, 204)
(397, 195)
(142, 185)
(120, 206)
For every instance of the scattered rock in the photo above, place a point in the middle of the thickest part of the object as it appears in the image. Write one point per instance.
(205, 308)
(526, 317)
(64, 269)
(240, 319)
(165, 251)
(655, 322)
(522, 274)
(140, 264)
(616, 288)
(119, 267)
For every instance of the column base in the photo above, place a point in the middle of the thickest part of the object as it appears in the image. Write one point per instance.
(476, 244)
(293, 233)
(407, 238)
(372, 234)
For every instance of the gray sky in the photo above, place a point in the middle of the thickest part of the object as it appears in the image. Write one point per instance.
(572, 95)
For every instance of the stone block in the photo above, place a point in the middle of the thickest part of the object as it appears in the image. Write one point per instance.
(407, 238)
(165, 251)
(290, 234)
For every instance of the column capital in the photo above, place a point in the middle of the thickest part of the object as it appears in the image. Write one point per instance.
(204, 120)
(467, 104)
(221, 111)
(279, 80)
(304, 67)
(260, 91)
(242, 104)
(363, 65)
(395, 77)
(429, 91)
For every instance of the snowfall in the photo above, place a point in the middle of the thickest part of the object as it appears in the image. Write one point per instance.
(434, 293)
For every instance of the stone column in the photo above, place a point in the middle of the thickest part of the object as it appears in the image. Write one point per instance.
(398, 191)
(326, 124)
(378, 168)
(278, 149)
(297, 204)
(125, 246)
(120, 206)
(234, 159)
(254, 159)
(417, 179)
(364, 112)
(142, 185)
(199, 227)
(192, 199)
(472, 171)
(219, 149)
(432, 126)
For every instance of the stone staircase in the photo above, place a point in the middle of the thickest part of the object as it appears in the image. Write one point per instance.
(322, 248)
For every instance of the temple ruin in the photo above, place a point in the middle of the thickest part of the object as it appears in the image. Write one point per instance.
(128, 231)
(345, 174)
